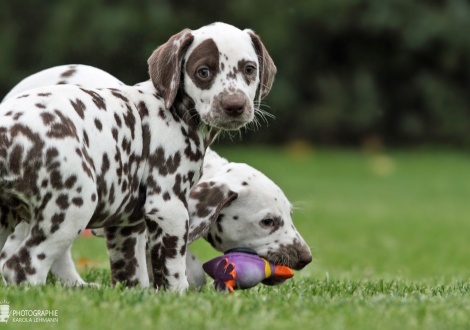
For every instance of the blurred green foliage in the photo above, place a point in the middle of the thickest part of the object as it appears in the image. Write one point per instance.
(348, 70)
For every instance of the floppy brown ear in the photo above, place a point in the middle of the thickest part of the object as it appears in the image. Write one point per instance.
(165, 65)
(267, 68)
(206, 200)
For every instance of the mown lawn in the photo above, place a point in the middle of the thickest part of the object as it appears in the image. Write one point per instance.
(390, 238)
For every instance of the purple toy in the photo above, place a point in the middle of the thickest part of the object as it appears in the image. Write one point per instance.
(243, 268)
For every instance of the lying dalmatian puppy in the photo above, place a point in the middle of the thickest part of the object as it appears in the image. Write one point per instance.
(256, 214)
(288, 246)
(139, 151)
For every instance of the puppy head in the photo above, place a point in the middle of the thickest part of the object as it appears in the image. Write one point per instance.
(223, 69)
(257, 216)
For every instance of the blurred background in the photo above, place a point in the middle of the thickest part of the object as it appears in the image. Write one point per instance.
(372, 107)
(350, 72)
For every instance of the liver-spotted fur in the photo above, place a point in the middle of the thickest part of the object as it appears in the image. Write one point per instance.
(247, 227)
(235, 205)
(227, 213)
(74, 157)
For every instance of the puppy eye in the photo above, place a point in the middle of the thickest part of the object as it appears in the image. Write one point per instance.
(267, 223)
(204, 73)
(250, 69)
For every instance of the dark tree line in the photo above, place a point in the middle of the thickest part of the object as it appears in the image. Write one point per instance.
(348, 70)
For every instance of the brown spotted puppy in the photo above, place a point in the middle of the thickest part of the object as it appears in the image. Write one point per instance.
(234, 205)
(247, 225)
(72, 157)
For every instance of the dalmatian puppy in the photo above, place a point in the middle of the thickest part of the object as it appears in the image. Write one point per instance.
(90, 77)
(214, 166)
(124, 159)
(255, 214)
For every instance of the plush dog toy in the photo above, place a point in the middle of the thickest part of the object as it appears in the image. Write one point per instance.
(243, 268)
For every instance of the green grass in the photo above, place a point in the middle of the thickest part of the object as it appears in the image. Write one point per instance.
(389, 234)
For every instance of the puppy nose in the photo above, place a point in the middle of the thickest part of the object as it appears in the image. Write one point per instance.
(234, 105)
(305, 257)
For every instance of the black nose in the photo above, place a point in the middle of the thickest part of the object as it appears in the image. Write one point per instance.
(234, 105)
(305, 257)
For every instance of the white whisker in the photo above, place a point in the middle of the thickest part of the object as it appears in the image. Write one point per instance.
(297, 206)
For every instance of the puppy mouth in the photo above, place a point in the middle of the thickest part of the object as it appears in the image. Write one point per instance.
(290, 261)
(295, 255)
(227, 125)
(230, 126)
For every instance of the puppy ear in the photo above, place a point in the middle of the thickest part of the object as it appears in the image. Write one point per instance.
(165, 65)
(206, 200)
(267, 68)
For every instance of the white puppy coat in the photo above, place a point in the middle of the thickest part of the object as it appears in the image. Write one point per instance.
(247, 223)
(242, 225)
(139, 151)
(247, 226)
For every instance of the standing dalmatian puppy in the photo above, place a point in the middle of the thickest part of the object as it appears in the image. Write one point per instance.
(73, 157)
(232, 223)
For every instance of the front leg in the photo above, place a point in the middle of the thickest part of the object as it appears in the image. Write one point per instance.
(167, 229)
(126, 249)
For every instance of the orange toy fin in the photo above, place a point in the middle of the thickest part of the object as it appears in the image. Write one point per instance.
(283, 272)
